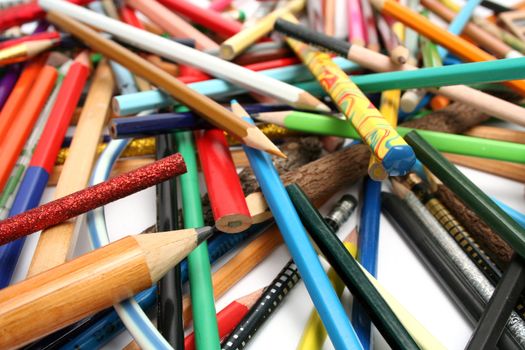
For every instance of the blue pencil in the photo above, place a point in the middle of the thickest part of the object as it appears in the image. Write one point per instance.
(367, 247)
(317, 283)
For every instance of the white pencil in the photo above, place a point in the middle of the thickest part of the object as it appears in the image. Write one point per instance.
(179, 53)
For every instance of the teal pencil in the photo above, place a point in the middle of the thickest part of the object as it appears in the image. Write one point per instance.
(444, 142)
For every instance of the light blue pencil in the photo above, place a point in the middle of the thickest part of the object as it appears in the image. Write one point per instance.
(459, 22)
(317, 283)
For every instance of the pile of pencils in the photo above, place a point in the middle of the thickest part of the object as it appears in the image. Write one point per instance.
(102, 99)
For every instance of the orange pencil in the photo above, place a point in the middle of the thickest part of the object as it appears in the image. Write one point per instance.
(19, 94)
(455, 44)
(20, 128)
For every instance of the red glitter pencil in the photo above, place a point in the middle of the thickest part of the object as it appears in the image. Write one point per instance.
(82, 201)
(227, 200)
(229, 317)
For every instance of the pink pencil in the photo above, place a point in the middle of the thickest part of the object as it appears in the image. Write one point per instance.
(219, 5)
(356, 32)
(372, 38)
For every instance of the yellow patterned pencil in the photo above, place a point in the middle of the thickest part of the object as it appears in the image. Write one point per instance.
(387, 146)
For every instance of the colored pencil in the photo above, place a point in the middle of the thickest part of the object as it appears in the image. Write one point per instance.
(77, 169)
(350, 272)
(169, 301)
(42, 160)
(229, 317)
(453, 43)
(356, 30)
(266, 304)
(7, 83)
(372, 39)
(91, 282)
(204, 106)
(184, 55)
(160, 123)
(24, 51)
(368, 245)
(496, 218)
(457, 285)
(232, 215)
(397, 52)
(316, 281)
(236, 44)
(492, 44)
(53, 35)
(17, 15)
(466, 145)
(386, 145)
(219, 5)
(201, 289)
(411, 36)
(507, 170)
(496, 133)
(13, 142)
(172, 23)
(381, 63)
(210, 19)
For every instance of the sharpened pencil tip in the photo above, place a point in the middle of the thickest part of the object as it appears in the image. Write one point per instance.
(277, 153)
(203, 233)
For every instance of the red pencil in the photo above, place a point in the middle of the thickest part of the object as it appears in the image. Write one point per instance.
(229, 317)
(205, 17)
(129, 16)
(20, 128)
(228, 205)
(32, 37)
(60, 116)
(20, 14)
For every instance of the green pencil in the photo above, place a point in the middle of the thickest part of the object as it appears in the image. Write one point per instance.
(444, 142)
(203, 303)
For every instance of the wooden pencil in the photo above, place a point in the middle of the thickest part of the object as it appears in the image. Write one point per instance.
(90, 283)
(172, 23)
(232, 215)
(77, 170)
(24, 51)
(13, 142)
(206, 107)
(507, 170)
(185, 55)
(347, 268)
(356, 29)
(496, 133)
(372, 38)
(381, 63)
(387, 146)
(454, 43)
(240, 41)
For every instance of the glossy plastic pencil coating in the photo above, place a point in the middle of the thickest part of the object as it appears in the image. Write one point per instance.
(7, 82)
(368, 245)
(79, 202)
(444, 142)
(386, 145)
(91, 282)
(449, 276)
(325, 300)
(206, 107)
(350, 272)
(169, 301)
(476, 199)
(203, 304)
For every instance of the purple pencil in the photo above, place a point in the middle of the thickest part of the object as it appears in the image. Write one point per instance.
(7, 82)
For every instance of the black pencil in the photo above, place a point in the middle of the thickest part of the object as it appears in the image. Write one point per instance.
(416, 234)
(169, 303)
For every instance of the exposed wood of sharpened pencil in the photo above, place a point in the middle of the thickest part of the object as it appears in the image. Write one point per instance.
(24, 51)
(55, 244)
(206, 107)
(90, 283)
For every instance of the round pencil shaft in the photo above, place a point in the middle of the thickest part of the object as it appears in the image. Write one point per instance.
(92, 197)
(14, 141)
(476, 199)
(499, 308)
(356, 32)
(7, 83)
(89, 283)
(390, 148)
(453, 43)
(201, 104)
(242, 40)
(222, 181)
(169, 303)
(24, 51)
(203, 304)
(350, 272)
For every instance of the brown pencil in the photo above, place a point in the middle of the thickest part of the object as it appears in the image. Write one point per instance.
(90, 283)
(206, 107)
(507, 170)
(494, 133)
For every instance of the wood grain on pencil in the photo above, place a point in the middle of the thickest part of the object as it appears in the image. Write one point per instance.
(92, 282)
(203, 105)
